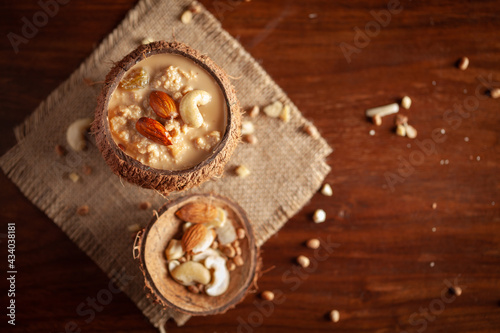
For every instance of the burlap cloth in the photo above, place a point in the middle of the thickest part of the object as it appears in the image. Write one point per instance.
(287, 166)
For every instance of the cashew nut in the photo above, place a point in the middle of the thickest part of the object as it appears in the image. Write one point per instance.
(190, 273)
(220, 278)
(219, 220)
(205, 243)
(226, 233)
(173, 265)
(199, 257)
(188, 108)
(75, 135)
(174, 250)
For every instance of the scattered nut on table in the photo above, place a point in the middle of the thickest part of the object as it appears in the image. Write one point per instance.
(83, 210)
(313, 243)
(383, 111)
(250, 138)
(247, 127)
(267, 295)
(242, 171)
(406, 102)
(303, 261)
(254, 112)
(401, 130)
(75, 134)
(495, 93)
(463, 63)
(319, 216)
(335, 316)
(273, 110)
(187, 17)
(285, 113)
(311, 130)
(377, 120)
(456, 290)
(134, 227)
(326, 190)
(145, 205)
(60, 150)
(74, 177)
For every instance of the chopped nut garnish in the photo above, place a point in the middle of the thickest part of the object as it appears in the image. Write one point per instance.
(334, 316)
(187, 17)
(319, 216)
(60, 150)
(495, 92)
(134, 227)
(401, 120)
(303, 261)
(313, 243)
(456, 290)
(229, 251)
(147, 40)
(285, 113)
(74, 177)
(238, 260)
(406, 102)
(274, 110)
(83, 210)
(250, 138)
(434, 205)
(411, 132)
(311, 130)
(240, 233)
(247, 127)
(242, 171)
(463, 63)
(267, 295)
(383, 111)
(231, 266)
(87, 169)
(401, 130)
(145, 205)
(254, 112)
(195, 8)
(326, 190)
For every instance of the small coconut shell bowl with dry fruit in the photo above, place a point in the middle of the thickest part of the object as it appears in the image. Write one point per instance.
(167, 117)
(198, 255)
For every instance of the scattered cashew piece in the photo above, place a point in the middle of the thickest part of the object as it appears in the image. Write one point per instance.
(75, 135)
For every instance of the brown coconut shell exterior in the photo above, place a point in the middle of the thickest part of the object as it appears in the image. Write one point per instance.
(177, 297)
(166, 181)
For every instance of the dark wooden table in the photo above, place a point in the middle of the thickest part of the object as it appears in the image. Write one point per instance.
(395, 256)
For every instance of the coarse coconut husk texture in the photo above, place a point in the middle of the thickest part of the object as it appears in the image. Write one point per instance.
(166, 181)
(171, 294)
(287, 165)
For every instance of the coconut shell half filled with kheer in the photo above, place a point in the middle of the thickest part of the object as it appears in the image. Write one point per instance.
(192, 279)
(167, 117)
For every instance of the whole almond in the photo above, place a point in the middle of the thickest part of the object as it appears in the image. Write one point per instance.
(154, 131)
(163, 105)
(197, 212)
(193, 236)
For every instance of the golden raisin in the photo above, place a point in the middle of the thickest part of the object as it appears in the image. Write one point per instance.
(135, 79)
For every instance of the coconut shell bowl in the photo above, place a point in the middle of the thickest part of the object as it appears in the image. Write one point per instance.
(153, 245)
(157, 107)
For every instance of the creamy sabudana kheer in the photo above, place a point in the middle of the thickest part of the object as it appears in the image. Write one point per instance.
(167, 113)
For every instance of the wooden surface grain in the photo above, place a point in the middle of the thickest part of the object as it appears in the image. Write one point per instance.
(392, 255)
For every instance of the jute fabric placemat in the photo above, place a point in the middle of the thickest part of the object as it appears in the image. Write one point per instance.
(287, 165)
